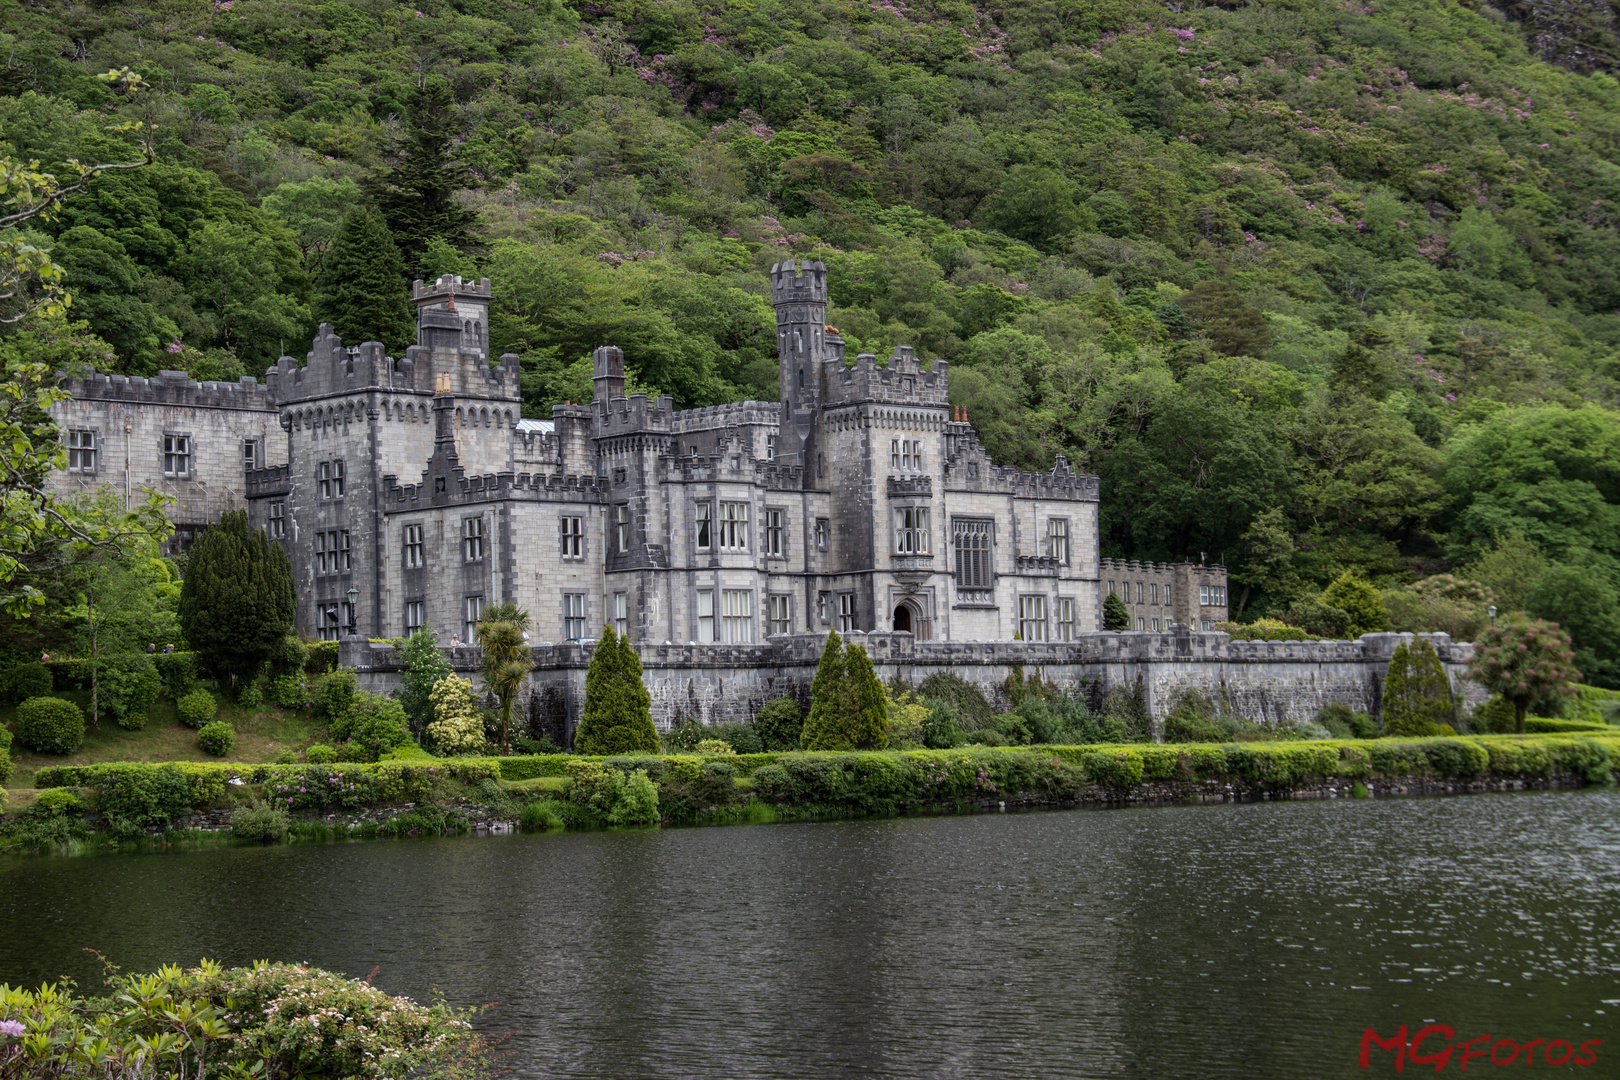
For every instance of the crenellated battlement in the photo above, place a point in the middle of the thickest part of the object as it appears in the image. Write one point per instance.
(1132, 566)
(173, 388)
(793, 282)
(733, 414)
(485, 487)
(903, 381)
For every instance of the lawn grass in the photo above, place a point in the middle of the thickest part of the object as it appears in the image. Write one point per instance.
(261, 734)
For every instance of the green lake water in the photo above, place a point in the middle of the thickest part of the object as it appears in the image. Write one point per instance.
(1203, 941)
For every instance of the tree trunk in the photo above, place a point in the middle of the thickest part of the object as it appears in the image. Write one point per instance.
(95, 680)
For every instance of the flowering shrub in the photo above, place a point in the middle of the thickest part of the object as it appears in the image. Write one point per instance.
(217, 738)
(269, 1020)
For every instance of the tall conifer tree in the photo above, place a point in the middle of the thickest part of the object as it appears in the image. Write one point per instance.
(1116, 616)
(363, 287)
(827, 691)
(866, 723)
(617, 718)
(417, 195)
(237, 600)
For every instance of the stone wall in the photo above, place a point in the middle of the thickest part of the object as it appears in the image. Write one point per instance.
(1268, 682)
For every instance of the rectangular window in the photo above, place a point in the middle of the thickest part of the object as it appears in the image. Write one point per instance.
(1203, 594)
(911, 530)
(1141, 592)
(846, 612)
(822, 600)
(1220, 595)
(621, 613)
(1155, 626)
(472, 538)
(971, 538)
(622, 519)
(905, 455)
(823, 533)
(705, 526)
(770, 447)
(573, 611)
(331, 628)
(1167, 596)
(81, 448)
(705, 616)
(780, 612)
(737, 614)
(250, 454)
(1205, 623)
(1032, 617)
(472, 611)
(330, 475)
(1065, 618)
(1155, 592)
(341, 559)
(1111, 590)
(733, 526)
(572, 530)
(413, 547)
(413, 616)
(278, 519)
(320, 553)
(774, 532)
(1057, 540)
(1141, 624)
(177, 455)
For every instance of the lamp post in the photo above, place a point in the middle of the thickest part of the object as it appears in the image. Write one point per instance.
(1492, 612)
(354, 598)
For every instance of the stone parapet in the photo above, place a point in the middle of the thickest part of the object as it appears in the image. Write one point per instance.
(174, 388)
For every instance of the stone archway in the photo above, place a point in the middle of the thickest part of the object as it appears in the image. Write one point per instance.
(906, 618)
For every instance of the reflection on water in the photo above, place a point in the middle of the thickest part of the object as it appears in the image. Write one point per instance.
(1219, 941)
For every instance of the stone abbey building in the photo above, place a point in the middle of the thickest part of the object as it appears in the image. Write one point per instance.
(409, 493)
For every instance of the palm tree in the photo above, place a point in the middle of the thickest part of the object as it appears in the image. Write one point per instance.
(507, 659)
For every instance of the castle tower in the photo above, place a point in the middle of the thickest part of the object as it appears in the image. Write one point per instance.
(453, 314)
(799, 294)
(607, 375)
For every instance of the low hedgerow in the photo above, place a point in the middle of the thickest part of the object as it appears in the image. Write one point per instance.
(23, 681)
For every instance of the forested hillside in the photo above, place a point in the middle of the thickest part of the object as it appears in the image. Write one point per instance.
(1312, 286)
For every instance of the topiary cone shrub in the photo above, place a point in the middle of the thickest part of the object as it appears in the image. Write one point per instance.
(50, 725)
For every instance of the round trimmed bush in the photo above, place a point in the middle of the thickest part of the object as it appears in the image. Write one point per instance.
(197, 708)
(320, 754)
(50, 725)
(217, 738)
(23, 681)
(251, 697)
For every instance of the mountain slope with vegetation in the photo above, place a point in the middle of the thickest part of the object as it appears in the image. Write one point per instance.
(1313, 287)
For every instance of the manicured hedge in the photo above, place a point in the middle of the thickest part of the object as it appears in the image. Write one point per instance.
(1542, 725)
(873, 782)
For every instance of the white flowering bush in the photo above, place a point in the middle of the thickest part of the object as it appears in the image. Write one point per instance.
(457, 727)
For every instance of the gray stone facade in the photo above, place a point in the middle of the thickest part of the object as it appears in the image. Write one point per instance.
(198, 443)
(858, 502)
(1160, 595)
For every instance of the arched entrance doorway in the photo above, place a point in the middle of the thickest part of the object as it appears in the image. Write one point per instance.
(903, 620)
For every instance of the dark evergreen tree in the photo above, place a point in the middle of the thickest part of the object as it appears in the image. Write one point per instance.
(363, 290)
(1417, 696)
(827, 692)
(416, 196)
(867, 722)
(1116, 616)
(617, 718)
(237, 600)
